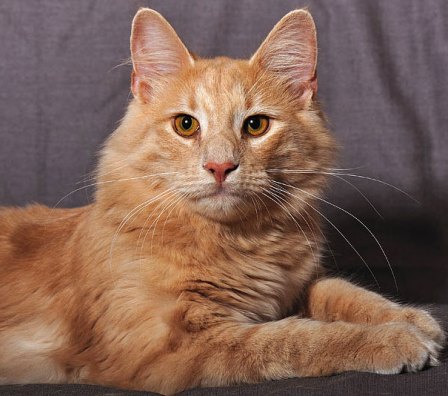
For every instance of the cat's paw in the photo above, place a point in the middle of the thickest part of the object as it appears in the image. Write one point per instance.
(399, 347)
(425, 323)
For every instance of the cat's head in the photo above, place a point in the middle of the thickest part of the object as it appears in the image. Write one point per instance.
(224, 138)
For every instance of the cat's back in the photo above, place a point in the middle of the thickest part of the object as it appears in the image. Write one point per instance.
(36, 251)
(30, 234)
(35, 247)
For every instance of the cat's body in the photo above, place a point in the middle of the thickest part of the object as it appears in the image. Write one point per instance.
(198, 262)
(79, 306)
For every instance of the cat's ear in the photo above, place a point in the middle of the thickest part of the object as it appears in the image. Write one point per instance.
(156, 52)
(290, 53)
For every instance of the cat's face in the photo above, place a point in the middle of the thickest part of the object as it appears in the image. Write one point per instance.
(218, 132)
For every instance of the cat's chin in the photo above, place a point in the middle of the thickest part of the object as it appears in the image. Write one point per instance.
(220, 207)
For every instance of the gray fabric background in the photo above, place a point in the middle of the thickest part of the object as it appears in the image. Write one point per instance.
(382, 81)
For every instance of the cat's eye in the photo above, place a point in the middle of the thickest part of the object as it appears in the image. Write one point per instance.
(185, 125)
(256, 125)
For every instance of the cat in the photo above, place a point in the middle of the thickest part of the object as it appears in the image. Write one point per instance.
(198, 262)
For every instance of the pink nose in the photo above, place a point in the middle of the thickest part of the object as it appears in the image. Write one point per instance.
(220, 171)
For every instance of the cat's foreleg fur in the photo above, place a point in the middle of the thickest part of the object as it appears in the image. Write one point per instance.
(293, 347)
(334, 299)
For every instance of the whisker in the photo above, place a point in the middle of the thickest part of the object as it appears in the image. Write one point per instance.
(240, 212)
(308, 224)
(169, 203)
(316, 262)
(94, 175)
(131, 214)
(268, 195)
(180, 199)
(344, 169)
(357, 219)
(155, 210)
(379, 181)
(112, 181)
(305, 171)
(362, 194)
(124, 62)
(264, 204)
(340, 233)
(255, 207)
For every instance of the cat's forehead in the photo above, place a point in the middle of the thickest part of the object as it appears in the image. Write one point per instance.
(222, 72)
(220, 84)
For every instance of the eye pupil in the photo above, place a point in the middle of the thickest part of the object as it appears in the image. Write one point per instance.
(187, 122)
(254, 122)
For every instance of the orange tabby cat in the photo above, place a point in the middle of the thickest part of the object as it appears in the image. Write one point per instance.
(198, 262)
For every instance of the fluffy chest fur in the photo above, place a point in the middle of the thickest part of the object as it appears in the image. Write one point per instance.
(258, 271)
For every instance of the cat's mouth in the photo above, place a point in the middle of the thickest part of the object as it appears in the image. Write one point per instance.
(219, 196)
(219, 204)
(220, 192)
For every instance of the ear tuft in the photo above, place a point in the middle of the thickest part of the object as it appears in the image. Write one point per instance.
(290, 52)
(156, 51)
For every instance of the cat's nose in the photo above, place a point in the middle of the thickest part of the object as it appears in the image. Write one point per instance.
(220, 171)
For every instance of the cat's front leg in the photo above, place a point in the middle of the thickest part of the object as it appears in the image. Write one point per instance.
(333, 299)
(229, 353)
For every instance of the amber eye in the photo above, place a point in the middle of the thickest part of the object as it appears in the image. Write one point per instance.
(256, 125)
(185, 125)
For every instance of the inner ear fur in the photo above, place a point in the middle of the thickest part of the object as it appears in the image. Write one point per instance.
(289, 52)
(156, 52)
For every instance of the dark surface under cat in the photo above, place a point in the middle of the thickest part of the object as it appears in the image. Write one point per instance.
(432, 381)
